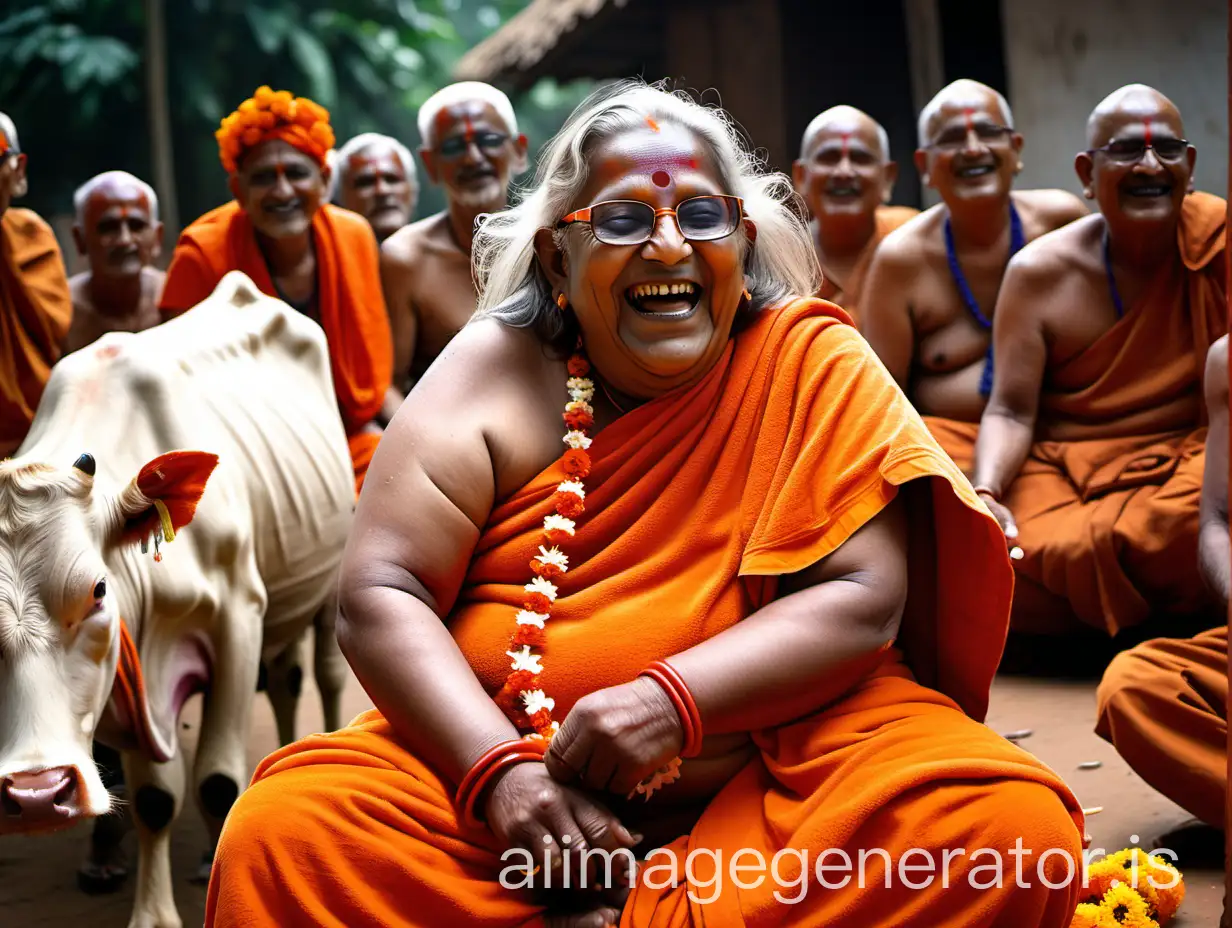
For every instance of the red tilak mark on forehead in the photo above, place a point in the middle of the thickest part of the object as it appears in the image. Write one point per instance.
(661, 178)
(846, 143)
(967, 114)
(469, 134)
(650, 121)
(1146, 130)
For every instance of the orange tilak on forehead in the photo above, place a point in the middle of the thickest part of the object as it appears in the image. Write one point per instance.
(129, 202)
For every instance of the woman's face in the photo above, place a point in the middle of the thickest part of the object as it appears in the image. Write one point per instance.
(644, 343)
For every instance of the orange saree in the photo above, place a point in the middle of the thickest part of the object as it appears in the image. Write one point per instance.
(35, 312)
(696, 504)
(888, 218)
(350, 304)
(1110, 524)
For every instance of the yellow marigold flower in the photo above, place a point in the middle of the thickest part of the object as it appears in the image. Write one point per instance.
(1100, 877)
(1092, 916)
(1128, 908)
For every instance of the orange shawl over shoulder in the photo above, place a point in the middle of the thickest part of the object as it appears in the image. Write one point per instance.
(888, 218)
(696, 503)
(1110, 524)
(349, 301)
(35, 312)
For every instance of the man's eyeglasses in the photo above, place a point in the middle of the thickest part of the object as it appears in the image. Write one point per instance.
(1131, 151)
(456, 145)
(955, 137)
(632, 222)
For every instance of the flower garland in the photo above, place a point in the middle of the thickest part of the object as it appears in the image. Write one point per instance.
(522, 698)
(1122, 891)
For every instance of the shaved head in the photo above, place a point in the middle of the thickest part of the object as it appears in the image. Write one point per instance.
(118, 185)
(1133, 101)
(846, 120)
(10, 132)
(961, 94)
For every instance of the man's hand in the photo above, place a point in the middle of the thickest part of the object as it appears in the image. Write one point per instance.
(1003, 516)
(614, 738)
(530, 810)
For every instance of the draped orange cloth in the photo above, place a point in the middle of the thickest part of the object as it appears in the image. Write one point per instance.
(1109, 525)
(888, 218)
(35, 312)
(1164, 706)
(350, 304)
(697, 503)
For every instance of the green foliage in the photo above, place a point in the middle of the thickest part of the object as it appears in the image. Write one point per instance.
(75, 82)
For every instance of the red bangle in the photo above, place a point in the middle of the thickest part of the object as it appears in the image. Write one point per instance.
(480, 776)
(673, 684)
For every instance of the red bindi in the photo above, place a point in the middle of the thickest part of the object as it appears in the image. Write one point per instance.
(967, 114)
(846, 143)
(1146, 128)
(469, 135)
(661, 178)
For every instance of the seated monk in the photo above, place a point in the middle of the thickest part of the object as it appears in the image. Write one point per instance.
(471, 148)
(1164, 704)
(547, 628)
(845, 175)
(933, 283)
(318, 258)
(1090, 452)
(35, 307)
(118, 231)
(374, 175)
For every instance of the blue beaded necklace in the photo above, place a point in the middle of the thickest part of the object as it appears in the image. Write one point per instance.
(1112, 287)
(1017, 240)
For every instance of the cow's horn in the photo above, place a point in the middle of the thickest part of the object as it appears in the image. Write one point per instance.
(85, 464)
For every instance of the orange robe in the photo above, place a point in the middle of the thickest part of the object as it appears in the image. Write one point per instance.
(350, 304)
(697, 503)
(1164, 706)
(35, 312)
(888, 218)
(1109, 526)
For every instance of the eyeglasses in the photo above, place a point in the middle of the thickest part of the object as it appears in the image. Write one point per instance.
(456, 145)
(1131, 151)
(955, 138)
(632, 222)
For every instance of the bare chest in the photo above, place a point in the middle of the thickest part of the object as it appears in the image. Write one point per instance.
(444, 299)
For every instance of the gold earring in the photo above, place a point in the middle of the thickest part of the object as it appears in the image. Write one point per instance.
(748, 297)
(562, 301)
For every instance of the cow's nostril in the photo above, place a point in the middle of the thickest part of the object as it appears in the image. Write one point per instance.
(68, 792)
(7, 802)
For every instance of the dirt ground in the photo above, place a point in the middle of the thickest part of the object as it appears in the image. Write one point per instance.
(37, 875)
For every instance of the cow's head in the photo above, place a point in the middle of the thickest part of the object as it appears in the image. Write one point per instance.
(60, 618)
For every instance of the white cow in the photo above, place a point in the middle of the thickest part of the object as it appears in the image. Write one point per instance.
(85, 567)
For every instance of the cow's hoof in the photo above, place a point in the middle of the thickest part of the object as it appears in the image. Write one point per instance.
(95, 879)
(202, 876)
(167, 919)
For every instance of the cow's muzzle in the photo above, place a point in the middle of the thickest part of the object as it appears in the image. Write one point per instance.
(45, 799)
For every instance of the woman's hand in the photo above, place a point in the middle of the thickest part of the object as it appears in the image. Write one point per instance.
(614, 738)
(1003, 516)
(527, 808)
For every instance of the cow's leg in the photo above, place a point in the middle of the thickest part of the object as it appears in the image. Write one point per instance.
(221, 769)
(157, 794)
(329, 667)
(284, 681)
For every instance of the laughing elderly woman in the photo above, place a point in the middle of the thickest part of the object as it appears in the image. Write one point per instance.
(745, 612)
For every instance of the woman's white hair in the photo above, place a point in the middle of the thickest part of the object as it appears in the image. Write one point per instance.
(513, 288)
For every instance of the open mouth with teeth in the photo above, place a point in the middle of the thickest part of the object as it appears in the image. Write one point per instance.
(289, 208)
(1148, 191)
(664, 299)
(843, 190)
(974, 170)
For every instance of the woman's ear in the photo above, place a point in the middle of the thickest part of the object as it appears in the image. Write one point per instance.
(553, 260)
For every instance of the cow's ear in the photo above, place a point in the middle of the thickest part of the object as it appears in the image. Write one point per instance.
(165, 493)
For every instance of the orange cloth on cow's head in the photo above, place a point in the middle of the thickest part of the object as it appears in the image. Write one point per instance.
(888, 218)
(349, 301)
(35, 312)
(696, 503)
(1107, 501)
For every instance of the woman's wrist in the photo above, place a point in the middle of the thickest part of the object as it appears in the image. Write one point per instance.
(673, 685)
(483, 775)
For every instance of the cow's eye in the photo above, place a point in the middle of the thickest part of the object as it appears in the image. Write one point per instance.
(100, 589)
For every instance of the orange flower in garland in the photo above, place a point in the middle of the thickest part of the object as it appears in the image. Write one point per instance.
(1130, 887)
(522, 698)
(271, 114)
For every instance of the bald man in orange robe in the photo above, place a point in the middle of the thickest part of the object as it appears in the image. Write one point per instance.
(1090, 453)
(1164, 704)
(35, 306)
(846, 176)
(320, 259)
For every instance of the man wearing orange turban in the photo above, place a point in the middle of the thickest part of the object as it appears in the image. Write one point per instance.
(319, 258)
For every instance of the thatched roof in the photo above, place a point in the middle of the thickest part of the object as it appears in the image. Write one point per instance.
(568, 39)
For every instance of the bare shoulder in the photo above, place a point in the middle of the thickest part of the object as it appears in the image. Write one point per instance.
(907, 244)
(1217, 373)
(78, 289)
(409, 243)
(1050, 208)
(1055, 251)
